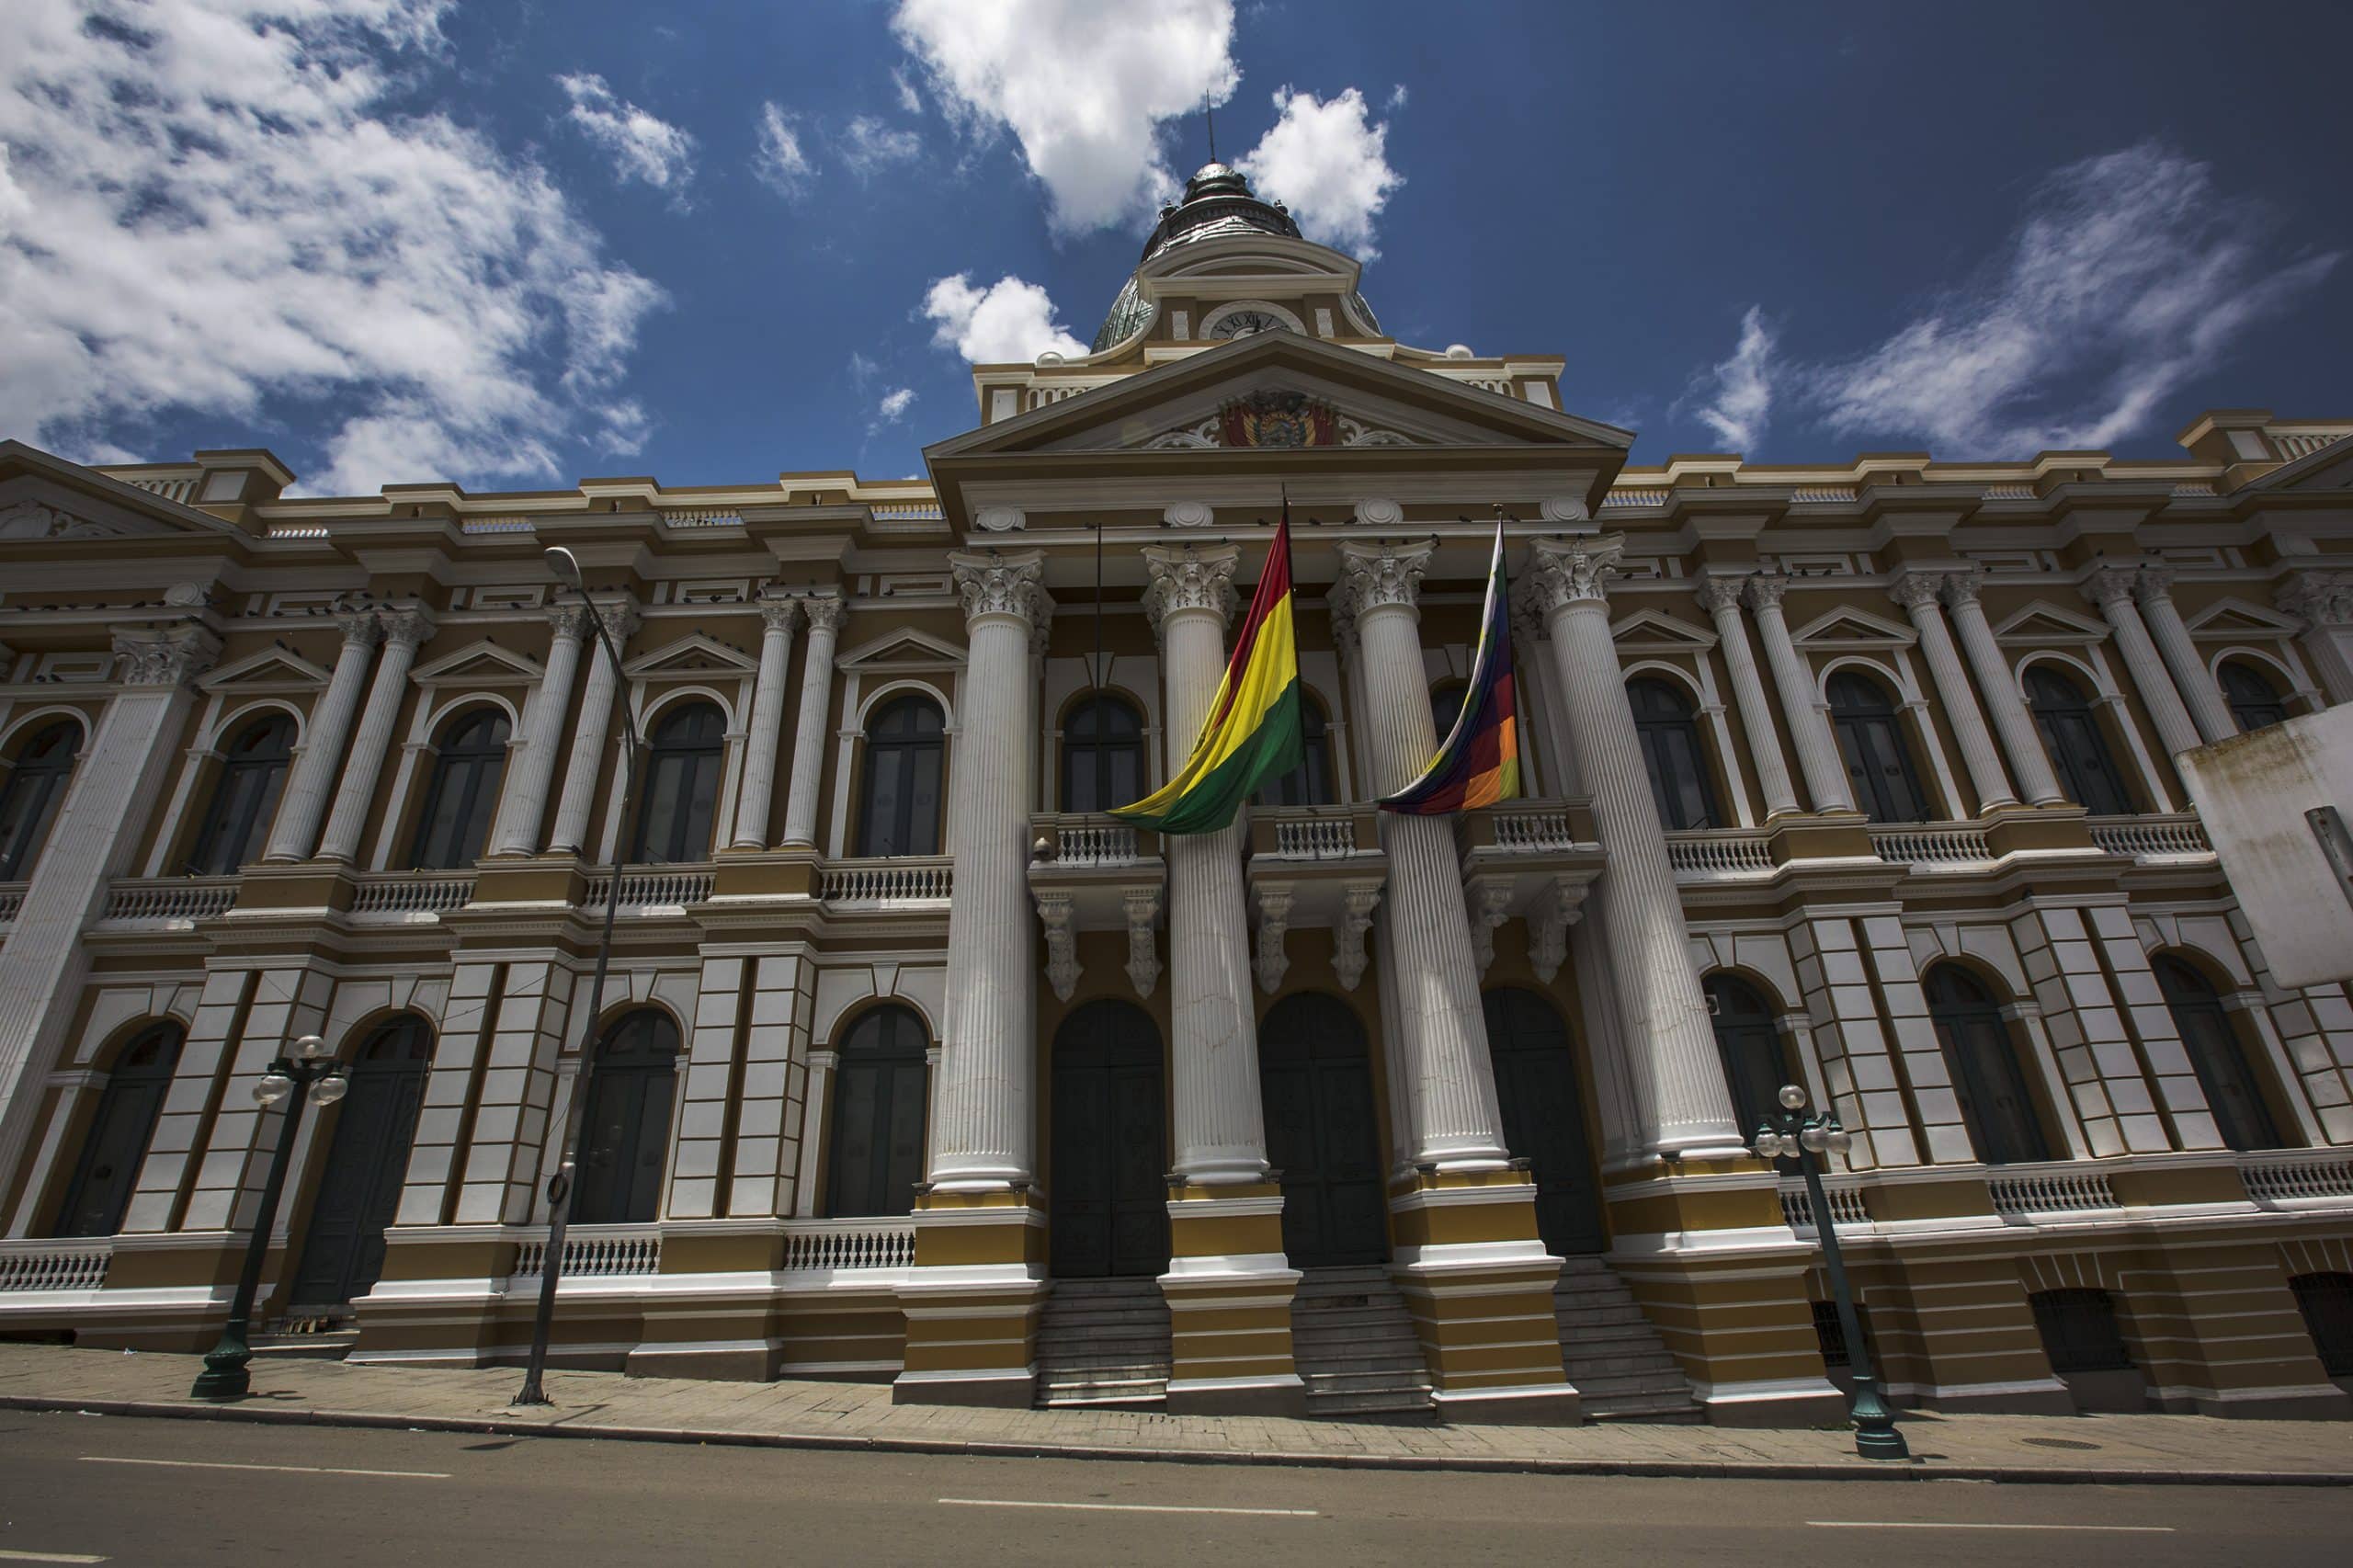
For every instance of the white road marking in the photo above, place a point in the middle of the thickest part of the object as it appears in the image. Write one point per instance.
(1939, 1525)
(8, 1556)
(1128, 1507)
(284, 1468)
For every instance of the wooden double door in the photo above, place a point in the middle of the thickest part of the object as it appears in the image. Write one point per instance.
(343, 1252)
(1111, 1153)
(1536, 1079)
(1315, 1076)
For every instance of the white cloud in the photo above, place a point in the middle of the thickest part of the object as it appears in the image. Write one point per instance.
(2130, 270)
(779, 164)
(1083, 85)
(235, 219)
(1328, 164)
(909, 99)
(1398, 97)
(643, 145)
(1008, 321)
(869, 146)
(895, 403)
(1737, 394)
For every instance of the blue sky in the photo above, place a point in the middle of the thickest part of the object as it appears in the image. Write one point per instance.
(519, 243)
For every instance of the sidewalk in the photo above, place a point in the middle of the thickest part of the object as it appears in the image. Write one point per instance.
(2180, 1449)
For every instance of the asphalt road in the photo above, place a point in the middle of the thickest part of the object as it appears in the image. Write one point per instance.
(91, 1489)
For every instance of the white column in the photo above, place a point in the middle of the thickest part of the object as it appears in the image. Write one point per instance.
(405, 631)
(1441, 1026)
(2110, 587)
(809, 729)
(981, 1128)
(2029, 762)
(767, 726)
(1818, 759)
(1219, 1131)
(296, 831)
(1720, 596)
(1677, 1075)
(2199, 689)
(570, 835)
(2324, 602)
(108, 804)
(523, 804)
(1916, 592)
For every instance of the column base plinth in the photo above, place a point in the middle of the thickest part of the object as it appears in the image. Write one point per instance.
(1479, 1284)
(1228, 1291)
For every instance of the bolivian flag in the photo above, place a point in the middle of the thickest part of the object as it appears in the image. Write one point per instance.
(1479, 762)
(1252, 733)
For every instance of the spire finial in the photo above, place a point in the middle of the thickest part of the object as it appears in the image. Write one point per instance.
(1209, 115)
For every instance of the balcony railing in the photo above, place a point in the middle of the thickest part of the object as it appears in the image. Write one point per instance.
(1082, 841)
(596, 1252)
(2297, 1174)
(416, 892)
(1845, 1205)
(2061, 1188)
(1534, 832)
(1314, 837)
(178, 902)
(840, 1245)
(76, 1265)
(2144, 837)
(12, 902)
(910, 879)
(1941, 844)
(1719, 852)
(651, 890)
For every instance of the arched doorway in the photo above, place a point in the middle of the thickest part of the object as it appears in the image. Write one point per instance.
(625, 1139)
(1111, 1188)
(343, 1252)
(1316, 1076)
(879, 1093)
(118, 1133)
(1536, 1079)
(1750, 1044)
(2242, 1114)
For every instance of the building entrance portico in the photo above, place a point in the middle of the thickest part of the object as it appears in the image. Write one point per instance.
(1109, 1152)
(1320, 1134)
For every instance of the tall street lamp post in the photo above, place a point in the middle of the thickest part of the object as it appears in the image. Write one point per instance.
(1791, 1134)
(308, 1074)
(566, 570)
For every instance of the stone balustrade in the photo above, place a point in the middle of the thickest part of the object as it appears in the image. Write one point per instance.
(594, 1252)
(75, 1264)
(905, 879)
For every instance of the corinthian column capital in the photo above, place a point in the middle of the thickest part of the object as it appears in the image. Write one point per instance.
(2109, 584)
(824, 611)
(1719, 594)
(1572, 572)
(1184, 578)
(1374, 576)
(407, 626)
(2153, 583)
(2319, 599)
(361, 629)
(1764, 592)
(1962, 587)
(993, 584)
(778, 615)
(173, 656)
(1915, 588)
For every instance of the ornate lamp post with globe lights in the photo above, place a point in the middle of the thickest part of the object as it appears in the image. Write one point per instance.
(309, 1074)
(1793, 1135)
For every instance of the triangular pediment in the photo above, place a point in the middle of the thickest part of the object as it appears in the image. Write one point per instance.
(1850, 627)
(43, 497)
(1656, 631)
(478, 663)
(695, 654)
(905, 649)
(272, 669)
(2324, 469)
(2044, 624)
(2237, 618)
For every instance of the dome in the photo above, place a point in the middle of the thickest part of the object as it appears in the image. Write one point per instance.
(1218, 201)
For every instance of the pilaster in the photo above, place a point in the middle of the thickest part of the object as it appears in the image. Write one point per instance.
(570, 834)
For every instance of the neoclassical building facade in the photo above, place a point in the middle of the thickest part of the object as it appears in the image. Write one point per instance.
(915, 1064)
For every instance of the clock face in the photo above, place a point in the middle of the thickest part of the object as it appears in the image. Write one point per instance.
(1242, 323)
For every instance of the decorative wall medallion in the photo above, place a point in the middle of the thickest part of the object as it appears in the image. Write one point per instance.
(1188, 515)
(1380, 512)
(1564, 509)
(1278, 419)
(997, 519)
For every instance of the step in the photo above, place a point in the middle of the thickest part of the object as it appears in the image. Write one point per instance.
(1408, 1402)
(328, 1345)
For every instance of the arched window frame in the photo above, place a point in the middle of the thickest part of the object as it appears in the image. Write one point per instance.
(2275, 706)
(655, 1118)
(44, 754)
(668, 839)
(2079, 753)
(2219, 1052)
(476, 776)
(233, 831)
(1089, 767)
(861, 825)
(169, 1035)
(1981, 1051)
(1656, 732)
(2117, 725)
(909, 1057)
(1891, 693)
(1752, 1101)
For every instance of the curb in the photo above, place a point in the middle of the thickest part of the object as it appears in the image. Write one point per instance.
(1752, 1470)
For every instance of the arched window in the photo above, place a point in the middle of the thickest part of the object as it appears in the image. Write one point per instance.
(359, 1188)
(1879, 763)
(1309, 784)
(116, 1142)
(2071, 734)
(1446, 706)
(1102, 755)
(878, 1091)
(681, 793)
(2255, 701)
(2232, 1090)
(1755, 1068)
(35, 787)
(1986, 1078)
(625, 1144)
(905, 750)
(253, 772)
(470, 760)
(1670, 737)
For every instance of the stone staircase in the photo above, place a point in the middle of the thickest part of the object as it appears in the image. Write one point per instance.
(1354, 1344)
(1615, 1359)
(1104, 1343)
(326, 1335)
